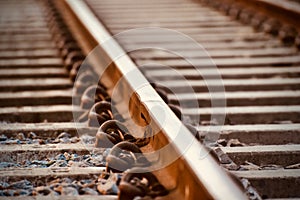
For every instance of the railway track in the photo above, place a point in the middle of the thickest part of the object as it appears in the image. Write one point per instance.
(245, 110)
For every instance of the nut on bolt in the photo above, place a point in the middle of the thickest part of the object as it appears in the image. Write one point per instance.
(136, 183)
(99, 113)
(112, 132)
(93, 94)
(125, 155)
(271, 26)
(287, 34)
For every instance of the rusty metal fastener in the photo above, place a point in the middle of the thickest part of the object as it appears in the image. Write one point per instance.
(234, 12)
(57, 27)
(223, 7)
(62, 35)
(287, 34)
(81, 67)
(140, 142)
(136, 183)
(271, 26)
(258, 20)
(73, 57)
(99, 113)
(50, 13)
(92, 95)
(74, 70)
(125, 155)
(62, 43)
(112, 132)
(69, 48)
(54, 19)
(246, 16)
(85, 80)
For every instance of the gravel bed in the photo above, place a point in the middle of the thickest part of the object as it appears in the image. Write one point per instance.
(32, 138)
(106, 184)
(62, 160)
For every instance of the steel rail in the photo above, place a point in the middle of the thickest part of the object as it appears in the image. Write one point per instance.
(194, 178)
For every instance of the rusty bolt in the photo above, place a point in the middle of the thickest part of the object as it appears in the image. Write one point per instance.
(112, 132)
(271, 26)
(125, 155)
(99, 113)
(72, 58)
(92, 95)
(287, 34)
(137, 183)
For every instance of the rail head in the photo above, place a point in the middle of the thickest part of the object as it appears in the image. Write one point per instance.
(194, 175)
